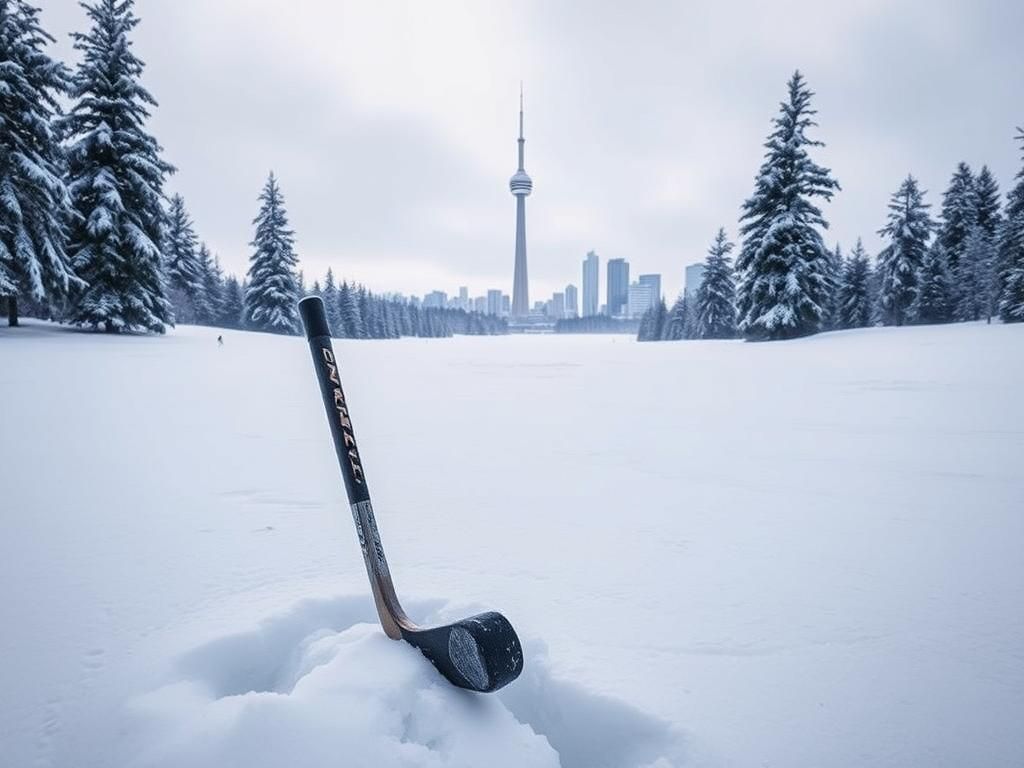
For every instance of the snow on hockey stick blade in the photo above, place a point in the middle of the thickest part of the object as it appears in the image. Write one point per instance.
(482, 652)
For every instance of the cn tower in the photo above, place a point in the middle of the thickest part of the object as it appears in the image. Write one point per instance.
(521, 185)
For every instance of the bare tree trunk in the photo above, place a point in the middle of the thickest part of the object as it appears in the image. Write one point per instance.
(12, 311)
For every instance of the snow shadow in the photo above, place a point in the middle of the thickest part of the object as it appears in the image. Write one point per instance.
(321, 685)
(588, 730)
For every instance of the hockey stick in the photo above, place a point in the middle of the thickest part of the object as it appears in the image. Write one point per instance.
(482, 652)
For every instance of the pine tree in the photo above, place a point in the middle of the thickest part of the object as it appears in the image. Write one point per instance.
(349, 312)
(783, 265)
(115, 178)
(643, 331)
(652, 324)
(875, 281)
(210, 300)
(835, 276)
(273, 292)
(975, 276)
(959, 214)
(34, 203)
(716, 308)
(678, 322)
(407, 324)
(983, 273)
(853, 294)
(908, 231)
(183, 271)
(934, 297)
(366, 314)
(330, 296)
(1011, 250)
(987, 197)
(234, 303)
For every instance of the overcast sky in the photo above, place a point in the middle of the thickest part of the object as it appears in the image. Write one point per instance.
(392, 125)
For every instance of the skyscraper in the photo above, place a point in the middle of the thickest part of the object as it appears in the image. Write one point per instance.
(520, 185)
(591, 274)
(570, 301)
(494, 302)
(618, 286)
(639, 299)
(654, 281)
(644, 294)
(557, 306)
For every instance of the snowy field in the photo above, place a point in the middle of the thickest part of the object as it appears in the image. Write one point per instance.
(807, 553)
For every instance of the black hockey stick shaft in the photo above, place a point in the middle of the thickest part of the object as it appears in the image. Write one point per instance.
(325, 363)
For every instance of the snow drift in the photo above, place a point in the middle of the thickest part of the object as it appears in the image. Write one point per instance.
(322, 686)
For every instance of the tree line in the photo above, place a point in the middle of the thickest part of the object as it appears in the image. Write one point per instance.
(967, 264)
(87, 234)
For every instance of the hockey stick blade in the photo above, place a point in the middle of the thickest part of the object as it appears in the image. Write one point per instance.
(479, 653)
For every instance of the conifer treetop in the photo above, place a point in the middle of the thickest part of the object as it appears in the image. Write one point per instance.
(34, 202)
(116, 177)
(784, 265)
(273, 289)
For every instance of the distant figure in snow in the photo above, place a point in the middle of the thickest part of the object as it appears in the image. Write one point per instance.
(220, 340)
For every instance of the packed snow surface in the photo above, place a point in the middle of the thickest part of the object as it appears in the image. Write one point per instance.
(805, 553)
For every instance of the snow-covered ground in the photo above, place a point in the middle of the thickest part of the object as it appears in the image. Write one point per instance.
(795, 554)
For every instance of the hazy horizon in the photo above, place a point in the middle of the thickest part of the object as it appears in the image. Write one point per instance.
(392, 126)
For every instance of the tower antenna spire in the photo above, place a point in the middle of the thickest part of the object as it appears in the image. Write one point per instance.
(520, 109)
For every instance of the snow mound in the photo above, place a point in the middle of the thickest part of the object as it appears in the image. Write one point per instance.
(321, 685)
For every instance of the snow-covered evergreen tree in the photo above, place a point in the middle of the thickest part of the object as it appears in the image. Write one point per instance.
(330, 296)
(716, 298)
(853, 293)
(233, 307)
(273, 293)
(959, 214)
(678, 322)
(975, 276)
(652, 324)
(836, 263)
(907, 231)
(115, 178)
(210, 300)
(934, 302)
(183, 272)
(987, 195)
(349, 312)
(35, 207)
(1011, 250)
(643, 331)
(783, 264)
